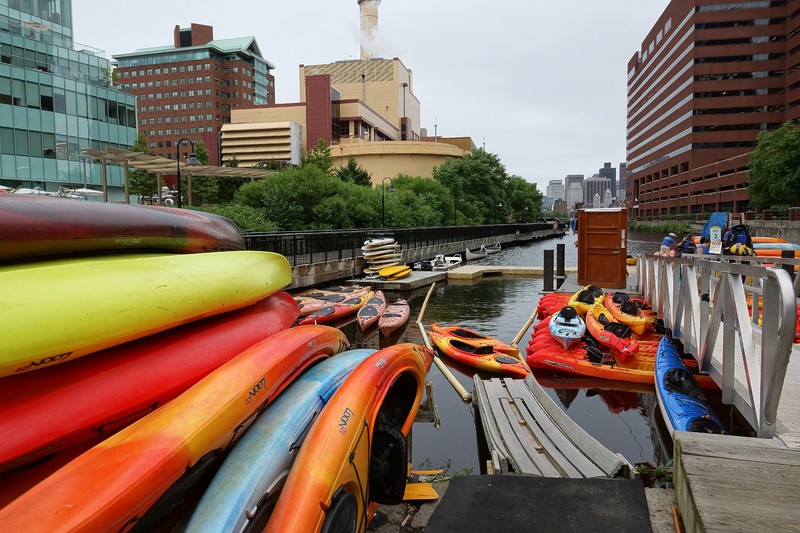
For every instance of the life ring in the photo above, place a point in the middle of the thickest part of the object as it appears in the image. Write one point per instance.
(169, 202)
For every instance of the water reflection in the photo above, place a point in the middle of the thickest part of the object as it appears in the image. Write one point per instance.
(619, 415)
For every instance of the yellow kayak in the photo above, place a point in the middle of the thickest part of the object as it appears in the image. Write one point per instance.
(59, 310)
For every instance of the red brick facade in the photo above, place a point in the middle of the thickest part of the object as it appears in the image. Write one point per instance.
(709, 77)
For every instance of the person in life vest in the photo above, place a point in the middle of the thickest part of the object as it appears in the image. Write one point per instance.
(686, 246)
(668, 243)
(737, 241)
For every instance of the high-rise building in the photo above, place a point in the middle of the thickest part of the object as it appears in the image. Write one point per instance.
(574, 194)
(55, 99)
(622, 183)
(596, 186)
(611, 173)
(573, 178)
(555, 189)
(709, 77)
(188, 89)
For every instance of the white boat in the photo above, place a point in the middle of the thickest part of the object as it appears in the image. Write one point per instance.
(492, 248)
(442, 262)
(471, 255)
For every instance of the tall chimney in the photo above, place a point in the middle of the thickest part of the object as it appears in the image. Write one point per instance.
(369, 25)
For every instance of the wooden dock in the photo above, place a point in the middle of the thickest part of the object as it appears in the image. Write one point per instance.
(528, 433)
(727, 483)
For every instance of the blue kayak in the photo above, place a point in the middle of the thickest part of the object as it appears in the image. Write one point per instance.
(567, 327)
(244, 490)
(683, 405)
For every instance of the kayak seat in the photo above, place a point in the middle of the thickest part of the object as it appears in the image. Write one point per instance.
(705, 425)
(595, 355)
(629, 307)
(620, 330)
(568, 313)
(387, 465)
(461, 332)
(681, 381)
(620, 297)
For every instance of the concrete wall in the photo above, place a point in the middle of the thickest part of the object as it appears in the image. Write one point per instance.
(319, 273)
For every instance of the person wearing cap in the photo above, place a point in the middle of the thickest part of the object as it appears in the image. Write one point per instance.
(668, 243)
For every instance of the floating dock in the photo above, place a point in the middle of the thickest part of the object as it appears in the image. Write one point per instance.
(528, 433)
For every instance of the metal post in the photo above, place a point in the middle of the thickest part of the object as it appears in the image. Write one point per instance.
(548, 270)
(560, 271)
(192, 161)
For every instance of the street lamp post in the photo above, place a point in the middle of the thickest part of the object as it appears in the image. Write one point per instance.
(192, 161)
(383, 199)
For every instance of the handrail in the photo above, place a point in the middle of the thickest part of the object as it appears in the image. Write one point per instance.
(703, 300)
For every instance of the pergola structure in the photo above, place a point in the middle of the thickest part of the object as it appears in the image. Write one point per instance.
(161, 166)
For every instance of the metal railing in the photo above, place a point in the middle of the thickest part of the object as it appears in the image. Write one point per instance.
(310, 247)
(736, 317)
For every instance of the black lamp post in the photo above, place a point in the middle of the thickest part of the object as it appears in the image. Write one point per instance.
(383, 199)
(192, 161)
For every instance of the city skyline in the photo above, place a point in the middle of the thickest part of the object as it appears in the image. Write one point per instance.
(551, 107)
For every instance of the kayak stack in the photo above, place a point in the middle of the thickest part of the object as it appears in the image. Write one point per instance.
(380, 253)
(149, 343)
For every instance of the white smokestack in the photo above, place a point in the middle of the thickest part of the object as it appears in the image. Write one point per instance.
(369, 25)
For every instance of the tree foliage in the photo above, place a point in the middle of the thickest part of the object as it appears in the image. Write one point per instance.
(354, 173)
(483, 191)
(774, 177)
(320, 156)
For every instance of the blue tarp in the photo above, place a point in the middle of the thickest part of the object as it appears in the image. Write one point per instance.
(716, 219)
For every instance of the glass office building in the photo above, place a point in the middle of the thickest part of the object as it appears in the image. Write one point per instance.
(56, 98)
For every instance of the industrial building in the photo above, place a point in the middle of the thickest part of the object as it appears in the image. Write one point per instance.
(56, 98)
(709, 77)
(362, 109)
(189, 88)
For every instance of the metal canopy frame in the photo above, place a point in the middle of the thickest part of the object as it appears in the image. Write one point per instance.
(160, 166)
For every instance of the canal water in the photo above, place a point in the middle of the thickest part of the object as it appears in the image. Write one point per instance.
(625, 419)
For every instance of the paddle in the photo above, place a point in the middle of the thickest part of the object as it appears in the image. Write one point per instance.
(466, 396)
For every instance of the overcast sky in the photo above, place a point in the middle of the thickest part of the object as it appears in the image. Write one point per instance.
(540, 83)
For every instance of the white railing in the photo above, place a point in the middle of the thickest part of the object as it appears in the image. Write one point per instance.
(704, 302)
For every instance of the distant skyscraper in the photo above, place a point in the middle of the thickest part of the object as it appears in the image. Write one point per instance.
(574, 194)
(611, 173)
(622, 183)
(555, 189)
(572, 178)
(592, 186)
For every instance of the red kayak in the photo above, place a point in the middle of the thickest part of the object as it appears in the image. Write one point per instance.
(136, 476)
(56, 407)
(32, 226)
(333, 312)
(395, 317)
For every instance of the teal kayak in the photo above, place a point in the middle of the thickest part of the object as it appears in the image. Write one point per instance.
(244, 490)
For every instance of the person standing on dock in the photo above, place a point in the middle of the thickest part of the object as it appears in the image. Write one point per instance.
(668, 243)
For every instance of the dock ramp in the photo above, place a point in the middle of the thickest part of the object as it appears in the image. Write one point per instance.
(528, 433)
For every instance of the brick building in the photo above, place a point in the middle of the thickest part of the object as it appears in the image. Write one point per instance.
(709, 77)
(189, 88)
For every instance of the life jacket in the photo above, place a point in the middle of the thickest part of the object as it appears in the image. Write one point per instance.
(739, 233)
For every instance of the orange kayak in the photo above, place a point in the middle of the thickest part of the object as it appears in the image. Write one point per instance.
(135, 476)
(354, 456)
(474, 338)
(482, 357)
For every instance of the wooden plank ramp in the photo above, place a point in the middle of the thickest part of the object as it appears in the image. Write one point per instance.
(728, 483)
(528, 433)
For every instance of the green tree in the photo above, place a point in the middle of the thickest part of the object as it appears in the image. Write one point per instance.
(774, 177)
(141, 182)
(355, 173)
(479, 184)
(245, 217)
(320, 156)
(524, 200)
